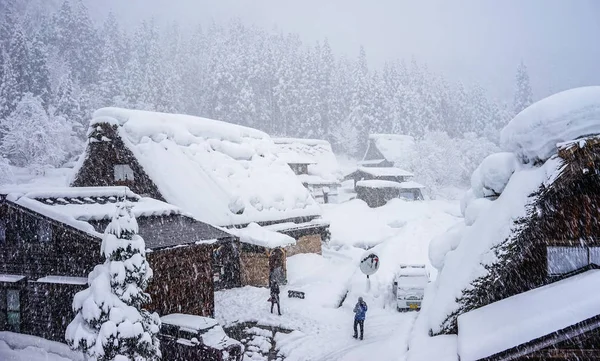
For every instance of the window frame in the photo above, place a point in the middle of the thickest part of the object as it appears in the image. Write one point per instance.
(13, 315)
(121, 173)
(587, 258)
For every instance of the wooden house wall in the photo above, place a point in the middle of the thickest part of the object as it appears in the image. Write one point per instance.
(226, 264)
(69, 252)
(254, 268)
(183, 280)
(376, 197)
(21, 286)
(101, 157)
(49, 309)
(305, 244)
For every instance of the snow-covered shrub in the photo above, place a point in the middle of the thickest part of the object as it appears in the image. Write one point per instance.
(31, 138)
(110, 323)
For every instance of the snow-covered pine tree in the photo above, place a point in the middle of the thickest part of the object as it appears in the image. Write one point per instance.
(523, 93)
(38, 74)
(5, 171)
(359, 116)
(18, 59)
(33, 139)
(9, 95)
(110, 322)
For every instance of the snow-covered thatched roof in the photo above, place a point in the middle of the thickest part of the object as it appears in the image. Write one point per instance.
(397, 149)
(534, 132)
(323, 166)
(505, 187)
(221, 173)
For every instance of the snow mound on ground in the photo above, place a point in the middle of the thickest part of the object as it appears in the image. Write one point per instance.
(493, 173)
(21, 347)
(534, 132)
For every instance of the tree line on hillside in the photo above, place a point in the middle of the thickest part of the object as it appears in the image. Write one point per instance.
(56, 69)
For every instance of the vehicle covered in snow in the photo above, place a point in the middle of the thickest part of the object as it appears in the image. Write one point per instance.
(196, 338)
(409, 286)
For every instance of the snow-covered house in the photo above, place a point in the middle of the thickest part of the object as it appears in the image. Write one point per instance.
(223, 174)
(315, 164)
(50, 240)
(516, 278)
(377, 185)
(389, 150)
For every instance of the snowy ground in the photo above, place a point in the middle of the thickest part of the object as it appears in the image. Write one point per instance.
(17, 347)
(399, 232)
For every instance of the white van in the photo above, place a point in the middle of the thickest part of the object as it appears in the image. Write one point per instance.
(409, 286)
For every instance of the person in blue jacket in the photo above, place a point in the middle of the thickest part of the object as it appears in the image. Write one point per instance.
(360, 311)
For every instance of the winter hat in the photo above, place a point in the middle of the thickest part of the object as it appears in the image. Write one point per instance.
(360, 299)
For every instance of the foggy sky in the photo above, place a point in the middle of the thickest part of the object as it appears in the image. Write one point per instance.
(466, 40)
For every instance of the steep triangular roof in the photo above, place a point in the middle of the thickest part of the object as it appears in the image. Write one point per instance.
(397, 149)
(221, 173)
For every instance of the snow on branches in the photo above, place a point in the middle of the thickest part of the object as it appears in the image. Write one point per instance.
(110, 323)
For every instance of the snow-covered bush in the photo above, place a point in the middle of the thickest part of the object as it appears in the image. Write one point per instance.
(110, 323)
(441, 161)
(31, 138)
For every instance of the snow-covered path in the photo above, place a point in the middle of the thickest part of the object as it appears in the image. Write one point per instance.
(399, 232)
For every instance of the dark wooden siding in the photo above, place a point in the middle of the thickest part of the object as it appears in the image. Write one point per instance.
(49, 309)
(68, 252)
(183, 280)
(100, 158)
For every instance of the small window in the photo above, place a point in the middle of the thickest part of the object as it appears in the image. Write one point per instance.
(13, 310)
(563, 260)
(123, 172)
(44, 232)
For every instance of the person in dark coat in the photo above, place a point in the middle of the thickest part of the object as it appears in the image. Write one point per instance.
(360, 311)
(275, 296)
